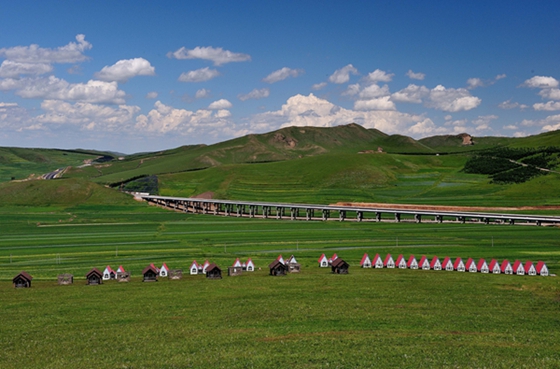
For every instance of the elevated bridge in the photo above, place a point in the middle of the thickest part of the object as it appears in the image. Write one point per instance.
(258, 209)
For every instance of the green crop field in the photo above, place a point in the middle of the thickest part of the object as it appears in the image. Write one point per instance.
(368, 318)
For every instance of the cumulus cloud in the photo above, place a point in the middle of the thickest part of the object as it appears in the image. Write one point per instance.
(310, 110)
(381, 103)
(510, 126)
(255, 94)
(319, 86)
(373, 91)
(352, 90)
(417, 76)
(152, 95)
(12, 69)
(71, 53)
(58, 89)
(451, 99)
(220, 104)
(164, 119)
(473, 83)
(550, 123)
(549, 106)
(511, 105)
(342, 75)
(483, 122)
(379, 76)
(202, 93)
(217, 55)
(123, 70)
(411, 94)
(282, 74)
(550, 93)
(199, 75)
(540, 82)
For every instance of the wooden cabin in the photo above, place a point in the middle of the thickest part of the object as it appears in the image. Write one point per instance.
(412, 263)
(323, 261)
(194, 268)
(277, 268)
(109, 273)
(365, 262)
(447, 264)
(213, 272)
(530, 268)
(401, 262)
(482, 266)
(459, 266)
(22, 280)
(518, 268)
(494, 267)
(377, 262)
(424, 264)
(94, 277)
(389, 262)
(233, 271)
(471, 265)
(435, 263)
(150, 274)
(542, 269)
(65, 279)
(339, 266)
(249, 265)
(506, 267)
(164, 271)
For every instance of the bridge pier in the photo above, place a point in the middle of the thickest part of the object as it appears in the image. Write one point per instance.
(486, 220)
(240, 209)
(378, 217)
(439, 218)
(342, 215)
(511, 221)
(417, 218)
(397, 217)
(359, 215)
(294, 213)
(279, 212)
(326, 214)
(309, 214)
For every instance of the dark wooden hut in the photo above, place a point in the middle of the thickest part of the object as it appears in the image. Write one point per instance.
(150, 274)
(65, 279)
(22, 280)
(213, 272)
(339, 266)
(278, 268)
(94, 277)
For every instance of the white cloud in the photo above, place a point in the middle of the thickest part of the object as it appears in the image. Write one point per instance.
(164, 119)
(123, 70)
(540, 82)
(12, 69)
(500, 76)
(199, 75)
(217, 55)
(71, 53)
(310, 110)
(58, 89)
(374, 91)
(88, 116)
(352, 90)
(319, 86)
(379, 76)
(418, 76)
(202, 93)
(342, 75)
(550, 93)
(255, 94)
(511, 105)
(220, 104)
(550, 123)
(282, 74)
(483, 122)
(510, 126)
(381, 103)
(411, 94)
(549, 106)
(152, 95)
(451, 99)
(473, 83)
(424, 127)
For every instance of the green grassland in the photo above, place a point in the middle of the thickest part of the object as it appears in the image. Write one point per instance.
(369, 318)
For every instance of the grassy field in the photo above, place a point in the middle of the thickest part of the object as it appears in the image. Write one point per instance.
(369, 318)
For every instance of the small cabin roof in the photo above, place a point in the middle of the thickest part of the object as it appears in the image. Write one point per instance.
(94, 271)
(505, 264)
(469, 262)
(376, 257)
(339, 263)
(446, 260)
(164, 266)
(364, 259)
(150, 267)
(23, 274)
(277, 264)
(399, 259)
(528, 265)
(458, 262)
(280, 259)
(121, 268)
(480, 264)
(387, 259)
(194, 263)
(322, 257)
(540, 266)
(212, 267)
(517, 264)
(493, 263)
(411, 259)
(249, 261)
(423, 260)
(435, 260)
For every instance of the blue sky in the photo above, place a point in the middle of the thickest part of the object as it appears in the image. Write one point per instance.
(130, 77)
